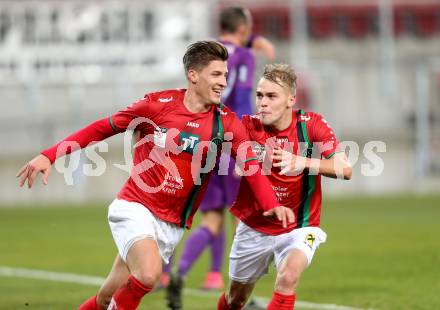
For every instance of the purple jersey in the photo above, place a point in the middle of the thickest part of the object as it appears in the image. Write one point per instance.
(241, 67)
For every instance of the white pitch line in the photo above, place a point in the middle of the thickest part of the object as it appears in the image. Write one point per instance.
(50, 276)
(6, 271)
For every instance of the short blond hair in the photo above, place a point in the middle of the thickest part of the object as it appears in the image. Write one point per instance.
(281, 74)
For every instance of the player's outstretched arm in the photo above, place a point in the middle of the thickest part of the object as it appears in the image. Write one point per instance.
(264, 46)
(283, 214)
(290, 164)
(30, 171)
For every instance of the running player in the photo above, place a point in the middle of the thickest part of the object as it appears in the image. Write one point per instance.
(295, 148)
(235, 33)
(166, 184)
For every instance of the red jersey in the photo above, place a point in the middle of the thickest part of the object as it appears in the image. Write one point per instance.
(162, 178)
(301, 193)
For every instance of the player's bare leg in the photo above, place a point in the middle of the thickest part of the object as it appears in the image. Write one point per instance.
(145, 265)
(115, 279)
(287, 280)
(236, 297)
(144, 261)
(117, 276)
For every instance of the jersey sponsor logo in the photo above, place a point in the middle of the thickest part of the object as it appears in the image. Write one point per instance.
(192, 124)
(305, 118)
(260, 151)
(160, 136)
(165, 100)
(188, 141)
(310, 240)
(172, 184)
(281, 192)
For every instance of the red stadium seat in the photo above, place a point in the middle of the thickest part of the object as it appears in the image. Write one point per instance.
(322, 21)
(426, 19)
(272, 22)
(358, 20)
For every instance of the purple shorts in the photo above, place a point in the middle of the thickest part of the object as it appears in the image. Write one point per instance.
(222, 190)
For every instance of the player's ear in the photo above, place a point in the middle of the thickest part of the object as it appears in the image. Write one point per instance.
(291, 101)
(193, 76)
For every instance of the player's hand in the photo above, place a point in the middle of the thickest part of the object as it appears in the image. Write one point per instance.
(290, 164)
(283, 214)
(30, 171)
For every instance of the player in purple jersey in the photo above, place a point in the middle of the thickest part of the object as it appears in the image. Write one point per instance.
(235, 28)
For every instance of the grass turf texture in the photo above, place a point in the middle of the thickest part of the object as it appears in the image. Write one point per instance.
(381, 252)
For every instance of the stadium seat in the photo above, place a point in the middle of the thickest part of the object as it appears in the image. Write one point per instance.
(322, 21)
(426, 19)
(401, 19)
(271, 22)
(358, 20)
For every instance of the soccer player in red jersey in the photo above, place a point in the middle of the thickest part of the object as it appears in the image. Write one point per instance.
(235, 25)
(294, 148)
(167, 183)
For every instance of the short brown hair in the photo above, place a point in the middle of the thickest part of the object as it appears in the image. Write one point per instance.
(201, 53)
(231, 18)
(281, 74)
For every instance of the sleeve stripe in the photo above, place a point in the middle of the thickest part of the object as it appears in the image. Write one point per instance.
(112, 124)
(250, 158)
(332, 154)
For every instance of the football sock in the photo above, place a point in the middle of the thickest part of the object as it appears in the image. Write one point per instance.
(89, 304)
(129, 295)
(222, 304)
(281, 302)
(194, 246)
(217, 251)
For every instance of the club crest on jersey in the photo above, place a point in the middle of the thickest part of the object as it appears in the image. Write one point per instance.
(160, 136)
(310, 240)
(305, 118)
(188, 141)
(260, 151)
(165, 100)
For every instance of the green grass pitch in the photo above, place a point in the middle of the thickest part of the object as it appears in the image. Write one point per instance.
(381, 253)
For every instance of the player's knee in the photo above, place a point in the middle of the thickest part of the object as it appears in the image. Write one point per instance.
(287, 280)
(147, 278)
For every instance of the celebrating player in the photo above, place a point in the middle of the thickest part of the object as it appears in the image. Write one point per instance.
(235, 33)
(294, 143)
(163, 191)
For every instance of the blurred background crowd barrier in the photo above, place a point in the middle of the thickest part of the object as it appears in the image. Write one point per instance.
(372, 68)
